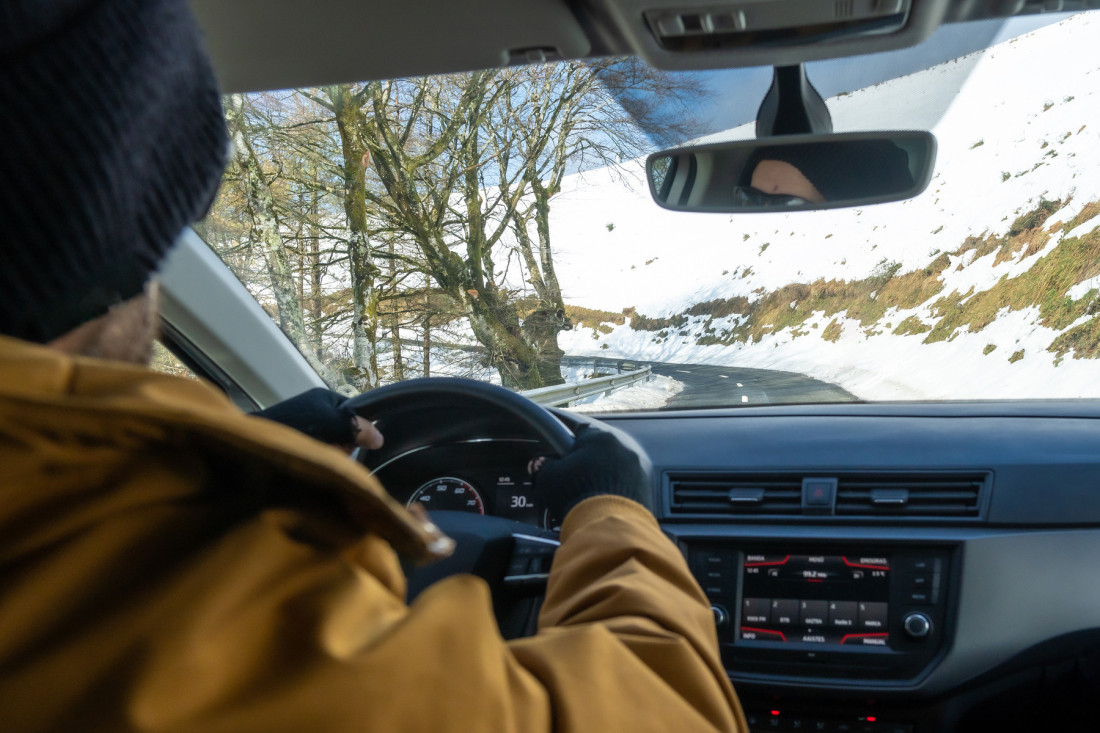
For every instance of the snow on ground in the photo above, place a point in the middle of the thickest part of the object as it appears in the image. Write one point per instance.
(1023, 127)
(644, 396)
(649, 395)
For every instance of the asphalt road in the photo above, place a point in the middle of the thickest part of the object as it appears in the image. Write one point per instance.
(720, 386)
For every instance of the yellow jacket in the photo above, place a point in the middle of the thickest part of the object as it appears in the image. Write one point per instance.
(168, 563)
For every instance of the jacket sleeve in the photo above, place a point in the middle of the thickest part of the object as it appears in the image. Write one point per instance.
(621, 595)
(270, 633)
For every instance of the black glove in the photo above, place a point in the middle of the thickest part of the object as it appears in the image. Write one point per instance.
(319, 413)
(598, 464)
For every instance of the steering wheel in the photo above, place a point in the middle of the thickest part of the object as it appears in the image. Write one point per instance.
(513, 558)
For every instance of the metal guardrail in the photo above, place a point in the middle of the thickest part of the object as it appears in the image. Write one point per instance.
(600, 362)
(563, 394)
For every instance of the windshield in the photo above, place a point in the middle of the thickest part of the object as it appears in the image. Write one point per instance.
(497, 225)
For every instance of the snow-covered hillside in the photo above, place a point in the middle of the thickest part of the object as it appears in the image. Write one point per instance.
(1022, 138)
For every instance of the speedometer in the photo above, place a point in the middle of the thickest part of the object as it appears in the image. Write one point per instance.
(448, 493)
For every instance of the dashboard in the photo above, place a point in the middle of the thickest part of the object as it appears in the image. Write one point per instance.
(902, 568)
(883, 568)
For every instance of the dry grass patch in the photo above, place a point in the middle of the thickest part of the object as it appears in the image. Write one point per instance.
(1082, 340)
(1044, 285)
(721, 307)
(832, 331)
(591, 317)
(1091, 210)
(982, 245)
(912, 326)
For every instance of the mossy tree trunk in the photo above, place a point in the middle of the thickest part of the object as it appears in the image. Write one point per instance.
(429, 172)
(265, 232)
(346, 104)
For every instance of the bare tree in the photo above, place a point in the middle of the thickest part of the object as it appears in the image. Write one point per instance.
(567, 117)
(346, 103)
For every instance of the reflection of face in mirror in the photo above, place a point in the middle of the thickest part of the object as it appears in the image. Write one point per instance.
(793, 172)
(789, 175)
(777, 177)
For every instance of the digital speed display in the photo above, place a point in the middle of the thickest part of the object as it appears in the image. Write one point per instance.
(515, 499)
(815, 599)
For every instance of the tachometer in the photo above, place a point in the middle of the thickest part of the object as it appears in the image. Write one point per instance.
(449, 493)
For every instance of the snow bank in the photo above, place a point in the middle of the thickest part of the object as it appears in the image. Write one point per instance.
(649, 395)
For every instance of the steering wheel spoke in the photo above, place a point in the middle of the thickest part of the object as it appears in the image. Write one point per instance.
(529, 568)
(512, 558)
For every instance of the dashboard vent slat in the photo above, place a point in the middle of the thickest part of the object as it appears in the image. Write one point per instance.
(738, 495)
(922, 496)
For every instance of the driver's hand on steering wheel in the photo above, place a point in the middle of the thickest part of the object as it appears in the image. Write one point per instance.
(322, 414)
(597, 465)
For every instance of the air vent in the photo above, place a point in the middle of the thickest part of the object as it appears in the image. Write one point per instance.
(943, 496)
(916, 495)
(739, 494)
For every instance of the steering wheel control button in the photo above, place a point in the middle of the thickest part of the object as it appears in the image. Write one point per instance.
(529, 568)
(917, 625)
(818, 495)
(520, 565)
(872, 616)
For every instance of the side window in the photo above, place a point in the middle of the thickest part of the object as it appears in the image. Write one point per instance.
(165, 361)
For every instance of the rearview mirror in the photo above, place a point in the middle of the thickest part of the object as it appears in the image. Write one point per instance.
(793, 172)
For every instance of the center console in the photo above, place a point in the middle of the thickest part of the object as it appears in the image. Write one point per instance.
(842, 611)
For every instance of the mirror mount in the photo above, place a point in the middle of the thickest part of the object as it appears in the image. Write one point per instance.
(792, 106)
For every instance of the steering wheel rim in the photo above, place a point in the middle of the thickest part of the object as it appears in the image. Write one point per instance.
(541, 421)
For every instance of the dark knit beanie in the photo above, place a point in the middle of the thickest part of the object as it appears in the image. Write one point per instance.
(844, 170)
(112, 140)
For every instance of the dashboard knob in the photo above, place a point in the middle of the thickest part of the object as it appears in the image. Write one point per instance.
(721, 615)
(917, 625)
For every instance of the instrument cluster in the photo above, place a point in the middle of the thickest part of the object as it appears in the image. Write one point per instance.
(491, 476)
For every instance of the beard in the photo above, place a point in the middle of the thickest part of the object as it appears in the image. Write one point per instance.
(125, 333)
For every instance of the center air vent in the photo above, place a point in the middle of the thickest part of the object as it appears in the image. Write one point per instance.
(917, 495)
(909, 496)
(736, 494)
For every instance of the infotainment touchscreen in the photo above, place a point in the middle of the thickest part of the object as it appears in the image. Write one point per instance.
(815, 599)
